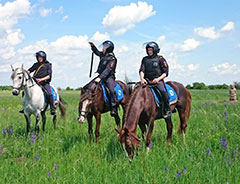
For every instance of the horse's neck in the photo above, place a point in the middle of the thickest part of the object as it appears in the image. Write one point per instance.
(134, 109)
(30, 85)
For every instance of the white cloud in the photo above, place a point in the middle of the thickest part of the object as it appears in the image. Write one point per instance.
(122, 49)
(225, 68)
(59, 10)
(228, 27)
(193, 67)
(99, 37)
(71, 42)
(44, 12)
(190, 44)
(209, 33)
(10, 13)
(64, 18)
(122, 18)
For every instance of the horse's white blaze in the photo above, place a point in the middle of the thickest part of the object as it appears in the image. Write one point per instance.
(83, 111)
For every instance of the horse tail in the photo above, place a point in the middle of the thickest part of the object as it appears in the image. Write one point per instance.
(188, 107)
(62, 107)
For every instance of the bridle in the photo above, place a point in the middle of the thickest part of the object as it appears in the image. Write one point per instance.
(26, 79)
(83, 98)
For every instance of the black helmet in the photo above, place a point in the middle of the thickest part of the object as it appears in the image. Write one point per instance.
(41, 54)
(154, 46)
(108, 45)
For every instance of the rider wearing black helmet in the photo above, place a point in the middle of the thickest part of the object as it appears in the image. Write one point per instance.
(43, 75)
(106, 70)
(154, 68)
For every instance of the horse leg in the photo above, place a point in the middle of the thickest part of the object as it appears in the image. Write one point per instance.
(169, 130)
(98, 121)
(90, 131)
(149, 133)
(43, 120)
(117, 120)
(143, 129)
(183, 123)
(28, 120)
(37, 123)
(54, 121)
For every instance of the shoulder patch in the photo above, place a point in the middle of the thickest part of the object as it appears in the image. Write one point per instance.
(111, 64)
(165, 64)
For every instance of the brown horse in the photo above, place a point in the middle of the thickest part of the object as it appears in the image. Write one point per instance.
(92, 103)
(142, 110)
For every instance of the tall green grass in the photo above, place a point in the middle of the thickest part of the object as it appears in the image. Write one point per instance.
(64, 155)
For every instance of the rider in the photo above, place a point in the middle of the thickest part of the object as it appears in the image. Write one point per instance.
(154, 68)
(106, 70)
(43, 76)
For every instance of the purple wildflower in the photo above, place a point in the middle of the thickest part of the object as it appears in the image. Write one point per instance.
(225, 114)
(225, 105)
(184, 170)
(4, 132)
(10, 130)
(49, 173)
(178, 174)
(208, 152)
(28, 143)
(223, 142)
(36, 157)
(166, 169)
(34, 137)
(56, 166)
(57, 175)
(5, 109)
(42, 137)
(190, 155)
(150, 145)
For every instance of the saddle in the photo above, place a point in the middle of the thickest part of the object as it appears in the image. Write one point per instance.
(158, 99)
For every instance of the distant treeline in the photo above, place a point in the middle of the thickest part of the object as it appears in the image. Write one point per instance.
(9, 88)
(195, 85)
(201, 85)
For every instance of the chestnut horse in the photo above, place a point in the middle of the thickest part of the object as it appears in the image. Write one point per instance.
(142, 110)
(92, 103)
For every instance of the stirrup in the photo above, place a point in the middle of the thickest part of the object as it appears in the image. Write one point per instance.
(167, 115)
(113, 112)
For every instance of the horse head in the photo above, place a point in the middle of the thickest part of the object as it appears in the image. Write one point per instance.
(19, 79)
(129, 140)
(85, 102)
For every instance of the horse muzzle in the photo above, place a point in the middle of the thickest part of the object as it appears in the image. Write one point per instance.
(15, 92)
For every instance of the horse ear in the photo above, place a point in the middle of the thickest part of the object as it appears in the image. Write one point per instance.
(82, 90)
(12, 68)
(22, 66)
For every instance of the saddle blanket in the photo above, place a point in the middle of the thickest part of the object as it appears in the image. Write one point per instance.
(171, 93)
(54, 93)
(118, 90)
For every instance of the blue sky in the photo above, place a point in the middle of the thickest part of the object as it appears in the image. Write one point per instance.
(199, 39)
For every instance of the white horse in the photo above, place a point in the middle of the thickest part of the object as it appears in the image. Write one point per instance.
(33, 100)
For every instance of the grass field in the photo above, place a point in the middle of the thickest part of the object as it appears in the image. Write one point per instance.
(64, 155)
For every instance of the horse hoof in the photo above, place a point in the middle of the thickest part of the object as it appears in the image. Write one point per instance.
(169, 143)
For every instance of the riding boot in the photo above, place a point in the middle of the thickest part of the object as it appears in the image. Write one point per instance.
(22, 111)
(168, 111)
(52, 107)
(113, 106)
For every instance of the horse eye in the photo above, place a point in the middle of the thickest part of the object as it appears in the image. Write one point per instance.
(19, 77)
